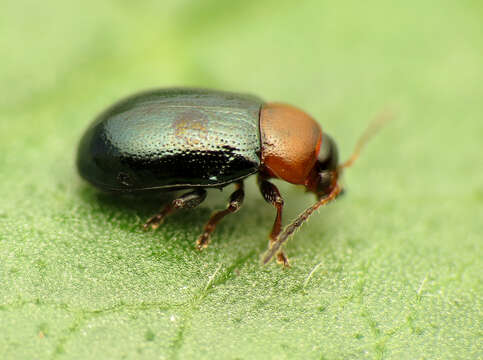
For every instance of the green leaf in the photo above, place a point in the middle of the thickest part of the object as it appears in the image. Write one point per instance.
(392, 270)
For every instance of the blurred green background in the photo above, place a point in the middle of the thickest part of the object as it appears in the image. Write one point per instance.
(397, 261)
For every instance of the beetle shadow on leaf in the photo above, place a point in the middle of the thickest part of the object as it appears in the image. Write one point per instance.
(135, 207)
(144, 205)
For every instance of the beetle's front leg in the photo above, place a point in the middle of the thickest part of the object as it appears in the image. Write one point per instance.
(185, 201)
(271, 195)
(236, 201)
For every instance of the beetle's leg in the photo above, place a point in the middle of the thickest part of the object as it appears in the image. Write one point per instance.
(271, 195)
(236, 201)
(188, 200)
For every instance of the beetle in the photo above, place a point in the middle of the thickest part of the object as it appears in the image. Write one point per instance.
(194, 139)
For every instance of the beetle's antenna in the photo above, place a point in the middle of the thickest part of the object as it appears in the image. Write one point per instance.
(290, 229)
(375, 125)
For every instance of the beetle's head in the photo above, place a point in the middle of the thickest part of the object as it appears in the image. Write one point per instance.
(323, 177)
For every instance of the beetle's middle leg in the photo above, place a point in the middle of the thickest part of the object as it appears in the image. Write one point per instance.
(236, 201)
(271, 195)
(185, 201)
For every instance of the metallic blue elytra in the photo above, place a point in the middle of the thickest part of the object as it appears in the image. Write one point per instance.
(172, 139)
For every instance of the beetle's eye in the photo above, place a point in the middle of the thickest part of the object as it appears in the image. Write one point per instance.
(325, 181)
(328, 155)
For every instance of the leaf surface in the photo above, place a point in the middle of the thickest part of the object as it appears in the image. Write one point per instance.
(392, 270)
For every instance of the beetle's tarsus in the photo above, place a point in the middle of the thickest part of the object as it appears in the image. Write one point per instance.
(203, 241)
(282, 259)
(153, 222)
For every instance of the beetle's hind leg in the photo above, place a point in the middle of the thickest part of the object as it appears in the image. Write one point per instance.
(185, 201)
(236, 201)
(271, 195)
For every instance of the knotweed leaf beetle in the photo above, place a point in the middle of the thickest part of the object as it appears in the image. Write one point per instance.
(182, 138)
